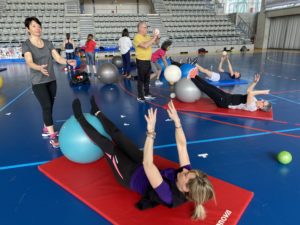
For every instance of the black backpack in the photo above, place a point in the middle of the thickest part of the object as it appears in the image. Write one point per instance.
(79, 78)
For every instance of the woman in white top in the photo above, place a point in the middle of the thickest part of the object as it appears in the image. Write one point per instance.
(124, 45)
(246, 102)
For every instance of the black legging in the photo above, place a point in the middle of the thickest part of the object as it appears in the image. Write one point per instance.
(121, 153)
(221, 98)
(45, 93)
(143, 70)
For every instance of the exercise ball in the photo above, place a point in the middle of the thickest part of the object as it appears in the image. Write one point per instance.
(187, 91)
(117, 61)
(76, 145)
(284, 157)
(108, 73)
(172, 74)
(187, 69)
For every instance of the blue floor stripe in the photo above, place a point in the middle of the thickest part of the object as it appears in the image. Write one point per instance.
(15, 99)
(226, 138)
(22, 165)
(169, 145)
(286, 99)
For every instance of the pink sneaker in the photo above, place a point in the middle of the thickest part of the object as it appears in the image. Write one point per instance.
(193, 73)
(54, 140)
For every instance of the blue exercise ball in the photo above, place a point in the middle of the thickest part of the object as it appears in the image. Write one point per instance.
(186, 69)
(161, 63)
(76, 145)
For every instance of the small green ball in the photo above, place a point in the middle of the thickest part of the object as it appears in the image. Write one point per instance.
(284, 157)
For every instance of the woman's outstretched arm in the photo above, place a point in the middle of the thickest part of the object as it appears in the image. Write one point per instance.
(179, 135)
(150, 168)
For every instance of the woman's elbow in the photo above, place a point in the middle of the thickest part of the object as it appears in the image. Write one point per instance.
(147, 164)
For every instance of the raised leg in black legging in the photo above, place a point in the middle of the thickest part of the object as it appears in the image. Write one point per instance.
(123, 142)
(121, 165)
(216, 94)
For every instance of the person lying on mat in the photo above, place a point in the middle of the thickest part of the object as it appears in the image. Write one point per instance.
(135, 169)
(221, 75)
(246, 102)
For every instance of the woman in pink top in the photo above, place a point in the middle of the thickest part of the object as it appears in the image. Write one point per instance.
(156, 68)
(90, 46)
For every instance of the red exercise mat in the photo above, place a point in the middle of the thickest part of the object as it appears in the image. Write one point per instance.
(206, 105)
(95, 185)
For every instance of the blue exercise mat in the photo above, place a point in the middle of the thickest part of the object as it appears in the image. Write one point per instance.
(224, 83)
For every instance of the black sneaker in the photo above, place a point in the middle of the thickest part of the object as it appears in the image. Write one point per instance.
(149, 97)
(141, 99)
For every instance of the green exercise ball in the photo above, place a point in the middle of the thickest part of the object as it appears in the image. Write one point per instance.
(284, 157)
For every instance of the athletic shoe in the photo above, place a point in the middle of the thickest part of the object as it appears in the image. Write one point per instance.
(45, 132)
(149, 97)
(158, 83)
(54, 140)
(141, 99)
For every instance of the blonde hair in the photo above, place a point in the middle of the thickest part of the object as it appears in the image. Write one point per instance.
(200, 191)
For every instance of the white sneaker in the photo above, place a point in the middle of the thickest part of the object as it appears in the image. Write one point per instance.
(149, 97)
(158, 83)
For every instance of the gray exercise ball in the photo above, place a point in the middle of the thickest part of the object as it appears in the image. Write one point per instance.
(117, 61)
(108, 73)
(187, 91)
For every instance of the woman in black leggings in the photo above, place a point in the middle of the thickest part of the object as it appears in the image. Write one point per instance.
(38, 55)
(135, 169)
(246, 102)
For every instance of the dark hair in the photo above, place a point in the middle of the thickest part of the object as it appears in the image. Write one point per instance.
(233, 77)
(28, 21)
(89, 37)
(68, 36)
(166, 44)
(125, 33)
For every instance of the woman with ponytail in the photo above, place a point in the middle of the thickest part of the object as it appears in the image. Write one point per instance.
(135, 169)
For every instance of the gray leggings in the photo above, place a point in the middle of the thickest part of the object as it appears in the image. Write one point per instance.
(90, 58)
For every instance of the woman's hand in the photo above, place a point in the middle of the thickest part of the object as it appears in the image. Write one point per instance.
(173, 113)
(256, 78)
(43, 69)
(151, 119)
(71, 62)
